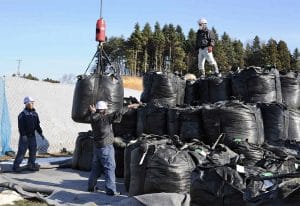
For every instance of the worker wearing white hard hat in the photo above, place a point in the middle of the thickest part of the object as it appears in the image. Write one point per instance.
(205, 42)
(104, 153)
(28, 124)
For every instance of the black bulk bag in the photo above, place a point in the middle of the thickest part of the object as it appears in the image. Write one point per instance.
(127, 127)
(185, 122)
(163, 88)
(139, 162)
(214, 89)
(179, 85)
(127, 160)
(147, 86)
(276, 120)
(191, 92)
(257, 85)
(294, 125)
(168, 170)
(119, 146)
(211, 123)
(96, 87)
(235, 119)
(220, 186)
(290, 86)
(83, 153)
(152, 119)
(133, 144)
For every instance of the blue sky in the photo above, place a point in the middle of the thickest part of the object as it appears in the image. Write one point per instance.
(56, 37)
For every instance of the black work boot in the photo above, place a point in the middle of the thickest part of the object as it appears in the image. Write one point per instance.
(201, 74)
(33, 167)
(112, 193)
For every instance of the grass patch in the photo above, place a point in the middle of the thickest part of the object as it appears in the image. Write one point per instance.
(133, 82)
(28, 203)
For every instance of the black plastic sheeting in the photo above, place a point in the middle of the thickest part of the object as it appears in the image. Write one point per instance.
(235, 119)
(290, 86)
(276, 121)
(93, 88)
(249, 153)
(205, 156)
(255, 84)
(185, 122)
(216, 187)
(168, 170)
(83, 153)
(152, 119)
(273, 190)
(163, 88)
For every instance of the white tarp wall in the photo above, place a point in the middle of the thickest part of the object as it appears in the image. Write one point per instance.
(53, 104)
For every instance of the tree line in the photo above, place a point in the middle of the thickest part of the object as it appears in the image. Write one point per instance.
(167, 47)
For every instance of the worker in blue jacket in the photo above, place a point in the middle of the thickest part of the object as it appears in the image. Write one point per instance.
(28, 123)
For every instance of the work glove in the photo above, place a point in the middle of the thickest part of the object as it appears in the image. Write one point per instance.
(209, 49)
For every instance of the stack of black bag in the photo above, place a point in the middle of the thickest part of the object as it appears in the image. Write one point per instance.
(231, 140)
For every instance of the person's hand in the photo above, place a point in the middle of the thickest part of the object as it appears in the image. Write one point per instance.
(92, 108)
(209, 49)
(134, 105)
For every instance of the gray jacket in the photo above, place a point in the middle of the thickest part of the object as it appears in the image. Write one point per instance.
(205, 38)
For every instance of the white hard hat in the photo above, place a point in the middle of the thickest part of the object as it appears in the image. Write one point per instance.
(202, 21)
(101, 105)
(28, 99)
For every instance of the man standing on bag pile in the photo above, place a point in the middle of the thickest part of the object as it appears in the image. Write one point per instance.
(28, 123)
(104, 153)
(204, 44)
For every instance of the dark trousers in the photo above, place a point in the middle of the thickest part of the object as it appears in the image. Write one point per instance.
(103, 163)
(24, 144)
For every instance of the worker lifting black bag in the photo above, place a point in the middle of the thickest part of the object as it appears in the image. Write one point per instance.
(96, 87)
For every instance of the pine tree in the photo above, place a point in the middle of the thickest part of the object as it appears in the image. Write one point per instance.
(158, 44)
(284, 55)
(228, 50)
(191, 53)
(238, 54)
(270, 54)
(295, 61)
(220, 53)
(146, 39)
(134, 45)
(254, 55)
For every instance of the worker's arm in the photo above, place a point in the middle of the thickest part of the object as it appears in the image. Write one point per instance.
(38, 127)
(21, 124)
(117, 116)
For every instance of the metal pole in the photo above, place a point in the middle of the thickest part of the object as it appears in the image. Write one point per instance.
(101, 9)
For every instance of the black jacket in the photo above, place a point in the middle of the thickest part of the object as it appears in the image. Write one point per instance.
(102, 127)
(28, 122)
(205, 38)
